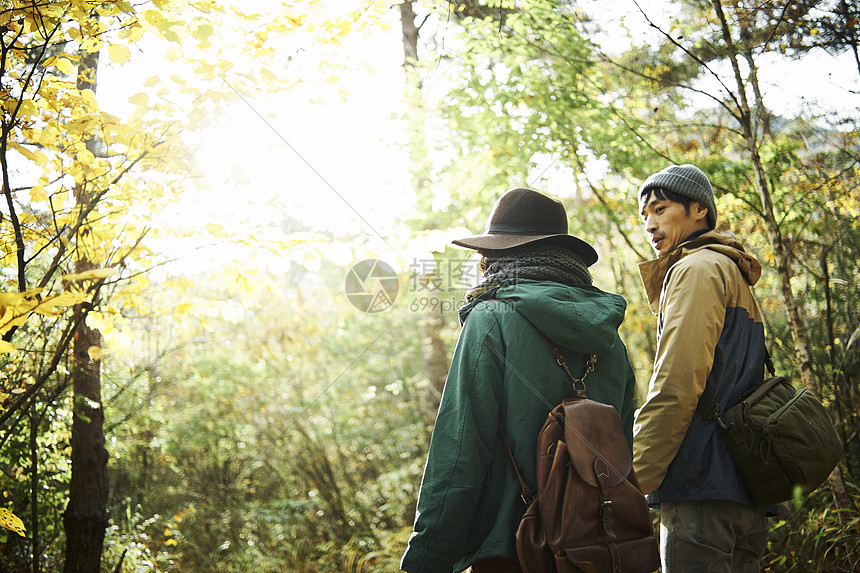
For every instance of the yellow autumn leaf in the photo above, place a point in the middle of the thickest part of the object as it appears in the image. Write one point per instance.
(108, 118)
(13, 322)
(153, 17)
(50, 304)
(119, 54)
(95, 353)
(216, 230)
(203, 31)
(132, 33)
(5, 348)
(10, 300)
(65, 66)
(90, 275)
(140, 99)
(53, 59)
(91, 44)
(170, 542)
(37, 193)
(49, 135)
(85, 156)
(11, 522)
(28, 108)
(35, 156)
(10, 319)
(268, 77)
(25, 218)
(88, 96)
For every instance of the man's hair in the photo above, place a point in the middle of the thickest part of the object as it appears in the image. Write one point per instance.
(665, 195)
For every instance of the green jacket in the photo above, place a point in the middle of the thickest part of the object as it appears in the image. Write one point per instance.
(469, 505)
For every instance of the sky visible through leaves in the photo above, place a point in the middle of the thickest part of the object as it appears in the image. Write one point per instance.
(328, 157)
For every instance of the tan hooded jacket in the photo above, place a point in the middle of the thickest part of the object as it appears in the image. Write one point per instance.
(697, 291)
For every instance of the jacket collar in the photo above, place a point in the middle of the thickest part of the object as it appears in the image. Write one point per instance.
(721, 240)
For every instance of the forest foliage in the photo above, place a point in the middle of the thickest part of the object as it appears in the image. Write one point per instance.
(253, 416)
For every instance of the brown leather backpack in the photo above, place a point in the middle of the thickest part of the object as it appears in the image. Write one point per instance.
(589, 515)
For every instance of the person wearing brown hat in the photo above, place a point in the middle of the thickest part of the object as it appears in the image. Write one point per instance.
(503, 375)
(709, 333)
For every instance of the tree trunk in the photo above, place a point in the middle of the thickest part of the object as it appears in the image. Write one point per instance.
(783, 261)
(435, 354)
(432, 322)
(85, 518)
(34, 486)
(410, 33)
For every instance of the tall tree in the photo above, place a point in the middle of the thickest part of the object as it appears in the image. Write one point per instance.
(752, 117)
(434, 349)
(70, 174)
(85, 518)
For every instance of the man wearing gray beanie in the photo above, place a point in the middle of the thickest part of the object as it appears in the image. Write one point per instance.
(709, 334)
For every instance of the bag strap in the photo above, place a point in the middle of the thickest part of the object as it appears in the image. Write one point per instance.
(768, 361)
(526, 494)
(559, 357)
(708, 407)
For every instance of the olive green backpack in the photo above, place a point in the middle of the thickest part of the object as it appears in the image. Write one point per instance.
(780, 438)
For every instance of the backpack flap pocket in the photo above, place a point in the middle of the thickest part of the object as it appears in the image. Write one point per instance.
(581, 417)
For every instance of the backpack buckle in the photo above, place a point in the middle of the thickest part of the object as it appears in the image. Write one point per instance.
(606, 511)
(606, 518)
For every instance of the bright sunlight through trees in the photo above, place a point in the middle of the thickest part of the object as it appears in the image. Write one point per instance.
(229, 295)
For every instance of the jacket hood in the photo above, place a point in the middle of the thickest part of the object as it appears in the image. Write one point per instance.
(721, 240)
(582, 317)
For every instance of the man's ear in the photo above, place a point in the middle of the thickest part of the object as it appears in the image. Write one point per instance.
(700, 212)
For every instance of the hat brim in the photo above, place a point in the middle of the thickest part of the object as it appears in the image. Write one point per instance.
(503, 241)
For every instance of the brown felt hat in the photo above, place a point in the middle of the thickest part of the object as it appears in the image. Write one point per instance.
(523, 216)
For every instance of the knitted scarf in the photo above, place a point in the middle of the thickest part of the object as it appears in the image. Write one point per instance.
(542, 262)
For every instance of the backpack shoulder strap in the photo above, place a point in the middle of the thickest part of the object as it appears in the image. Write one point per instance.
(708, 407)
(526, 494)
(559, 357)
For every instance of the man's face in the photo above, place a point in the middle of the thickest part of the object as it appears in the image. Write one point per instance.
(668, 223)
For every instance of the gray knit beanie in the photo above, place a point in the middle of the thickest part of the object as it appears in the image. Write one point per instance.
(686, 180)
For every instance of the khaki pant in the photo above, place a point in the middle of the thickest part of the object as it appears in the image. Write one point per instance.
(712, 537)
